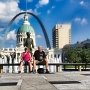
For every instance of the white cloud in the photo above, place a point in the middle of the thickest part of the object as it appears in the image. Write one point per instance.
(11, 35)
(1, 29)
(85, 4)
(41, 3)
(48, 11)
(34, 11)
(82, 2)
(77, 19)
(81, 21)
(53, 7)
(38, 36)
(84, 21)
(8, 10)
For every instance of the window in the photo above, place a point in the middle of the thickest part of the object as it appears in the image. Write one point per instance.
(21, 39)
(51, 56)
(54, 55)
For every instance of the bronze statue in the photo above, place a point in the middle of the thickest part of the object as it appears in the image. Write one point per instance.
(28, 42)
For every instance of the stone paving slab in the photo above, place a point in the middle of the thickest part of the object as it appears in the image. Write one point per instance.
(36, 82)
(28, 81)
(9, 87)
(71, 76)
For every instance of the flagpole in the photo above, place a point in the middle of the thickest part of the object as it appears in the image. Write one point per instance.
(26, 5)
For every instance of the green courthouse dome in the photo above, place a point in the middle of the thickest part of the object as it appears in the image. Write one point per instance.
(25, 27)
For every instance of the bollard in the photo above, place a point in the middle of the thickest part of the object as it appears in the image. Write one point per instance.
(1, 69)
(57, 68)
(79, 68)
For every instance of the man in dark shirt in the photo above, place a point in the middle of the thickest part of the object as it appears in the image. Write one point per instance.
(40, 57)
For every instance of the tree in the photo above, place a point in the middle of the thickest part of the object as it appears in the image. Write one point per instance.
(73, 55)
(85, 56)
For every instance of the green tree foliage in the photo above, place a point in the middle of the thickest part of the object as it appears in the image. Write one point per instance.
(77, 55)
(85, 56)
(72, 55)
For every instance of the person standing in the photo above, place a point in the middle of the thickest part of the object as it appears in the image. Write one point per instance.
(40, 57)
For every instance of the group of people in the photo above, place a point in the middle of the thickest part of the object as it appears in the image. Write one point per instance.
(38, 57)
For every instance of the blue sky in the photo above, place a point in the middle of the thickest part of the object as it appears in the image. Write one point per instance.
(50, 12)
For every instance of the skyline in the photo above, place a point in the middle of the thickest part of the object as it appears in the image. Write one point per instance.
(50, 12)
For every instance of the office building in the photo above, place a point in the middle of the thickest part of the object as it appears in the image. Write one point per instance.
(61, 35)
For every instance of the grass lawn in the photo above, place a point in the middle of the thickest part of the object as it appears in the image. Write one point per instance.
(73, 66)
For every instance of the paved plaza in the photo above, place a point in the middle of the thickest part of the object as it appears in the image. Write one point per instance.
(73, 80)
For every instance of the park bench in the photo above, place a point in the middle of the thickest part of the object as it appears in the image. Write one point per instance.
(54, 64)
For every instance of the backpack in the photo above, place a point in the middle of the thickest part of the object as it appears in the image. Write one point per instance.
(40, 70)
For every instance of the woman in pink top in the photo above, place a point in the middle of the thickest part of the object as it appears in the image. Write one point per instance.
(26, 58)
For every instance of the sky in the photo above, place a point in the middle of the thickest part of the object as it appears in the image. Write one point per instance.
(50, 12)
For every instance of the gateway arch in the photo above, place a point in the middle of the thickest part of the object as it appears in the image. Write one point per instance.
(42, 26)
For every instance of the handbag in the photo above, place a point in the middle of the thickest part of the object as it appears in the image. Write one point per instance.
(40, 70)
